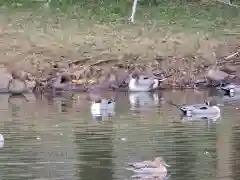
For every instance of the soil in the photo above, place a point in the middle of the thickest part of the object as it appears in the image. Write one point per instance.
(37, 47)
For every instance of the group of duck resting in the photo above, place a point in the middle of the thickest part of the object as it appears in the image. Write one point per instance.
(119, 78)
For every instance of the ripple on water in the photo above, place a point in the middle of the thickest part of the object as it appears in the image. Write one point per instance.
(42, 142)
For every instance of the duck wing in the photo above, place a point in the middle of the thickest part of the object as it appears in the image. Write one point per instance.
(143, 164)
(146, 170)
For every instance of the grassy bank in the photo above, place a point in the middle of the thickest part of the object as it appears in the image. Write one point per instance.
(33, 33)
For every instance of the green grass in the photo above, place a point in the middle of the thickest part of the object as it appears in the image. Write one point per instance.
(176, 16)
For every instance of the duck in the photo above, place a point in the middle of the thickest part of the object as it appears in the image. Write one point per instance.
(1, 141)
(141, 83)
(206, 108)
(150, 167)
(1, 138)
(103, 107)
(17, 85)
(230, 89)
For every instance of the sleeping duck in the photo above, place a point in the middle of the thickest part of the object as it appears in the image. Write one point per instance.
(196, 109)
(140, 83)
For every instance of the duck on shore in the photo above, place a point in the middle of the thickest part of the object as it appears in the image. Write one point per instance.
(141, 83)
(17, 85)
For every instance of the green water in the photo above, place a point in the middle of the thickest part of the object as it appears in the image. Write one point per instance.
(48, 140)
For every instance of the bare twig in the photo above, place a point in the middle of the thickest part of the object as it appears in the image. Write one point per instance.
(103, 62)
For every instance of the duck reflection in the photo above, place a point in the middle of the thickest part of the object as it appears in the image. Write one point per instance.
(140, 100)
(17, 100)
(95, 152)
(235, 154)
(231, 99)
(63, 103)
(151, 177)
(201, 117)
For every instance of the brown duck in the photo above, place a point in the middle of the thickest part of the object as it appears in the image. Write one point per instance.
(17, 85)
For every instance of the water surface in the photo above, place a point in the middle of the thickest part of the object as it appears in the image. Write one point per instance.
(59, 139)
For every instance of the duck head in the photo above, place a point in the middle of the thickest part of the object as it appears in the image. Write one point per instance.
(65, 79)
(213, 103)
(16, 74)
(207, 102)
(135, 76)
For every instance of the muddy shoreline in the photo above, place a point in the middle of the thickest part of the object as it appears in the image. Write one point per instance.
(180, 73)
(105, 54)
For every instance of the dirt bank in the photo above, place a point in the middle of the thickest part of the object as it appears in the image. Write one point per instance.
(35, 47)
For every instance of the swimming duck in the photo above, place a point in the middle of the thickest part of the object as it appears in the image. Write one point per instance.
(103, 107)
(140, 83)
(150, 167)
(230, 89)
(196, 109)
(1, 138)
(1, 141)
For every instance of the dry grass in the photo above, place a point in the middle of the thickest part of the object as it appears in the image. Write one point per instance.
(30, 41)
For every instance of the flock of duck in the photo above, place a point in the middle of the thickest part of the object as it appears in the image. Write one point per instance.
(104, 105)
(137, 86)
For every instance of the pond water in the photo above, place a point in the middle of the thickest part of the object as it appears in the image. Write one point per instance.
(59, 139)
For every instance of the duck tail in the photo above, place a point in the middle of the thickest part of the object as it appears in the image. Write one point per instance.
(173, 104)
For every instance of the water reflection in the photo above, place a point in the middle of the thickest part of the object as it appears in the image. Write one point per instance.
(139, 100)
(235, 154)
(95, 152)
(231, 100)
(46, 141)
(202, 117)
